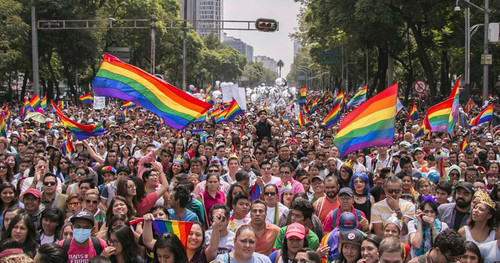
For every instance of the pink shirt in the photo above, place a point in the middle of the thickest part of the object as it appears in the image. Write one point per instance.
(209, 201)
(297, 188)
(77, 254)
(146, 203)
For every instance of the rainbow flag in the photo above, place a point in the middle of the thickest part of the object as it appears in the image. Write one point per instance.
(221, 116)
(202, 119)
(413, 115)
(286, 119)
(314, 105)
(209, 89)
(67, 146)
(265, 106)
(128, 104)
(333, 116)
(62, 104)
(208, 99)
(469, 106)
(81, 131)
(120, 80)
(339, 99)
(3, 126)
(6, 113)
(304, 108)
(464, 147)
(233, 111)
(370, 124)
(180, 228)
(422, 130)
(35, 102)
(86, 98)
(43, 104)
(301, 119)
(484, 116)
(452, 120)
(358, 98)
(303, 93)
(438, 116)
(26, 108)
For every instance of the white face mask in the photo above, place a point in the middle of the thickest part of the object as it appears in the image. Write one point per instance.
(81, 235)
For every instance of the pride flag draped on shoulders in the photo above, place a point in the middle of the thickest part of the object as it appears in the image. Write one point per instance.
(370, 124)
(484, 116)
(120, 80)
(81, 131)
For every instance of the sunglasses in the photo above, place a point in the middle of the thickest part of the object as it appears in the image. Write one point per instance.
(63, 162)
(79, 174)
(259, 153)
(91, 201)
(73, 204)
(270, 193)
(3, 167)
(82, 159)
(49, 183)
(393, 191)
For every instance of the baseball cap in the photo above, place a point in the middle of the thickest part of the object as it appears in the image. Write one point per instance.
(354, 237)
(319, 177)
(346, 191)
(34, 192)
(347, 222)
(296, 230)
(467, 186)
(83, 215)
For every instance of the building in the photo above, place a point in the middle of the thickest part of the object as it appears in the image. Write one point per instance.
(267, 62)
(296, 48)
(242, 47)
(204, 10)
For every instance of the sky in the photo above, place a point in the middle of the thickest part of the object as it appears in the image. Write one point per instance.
(277, 45)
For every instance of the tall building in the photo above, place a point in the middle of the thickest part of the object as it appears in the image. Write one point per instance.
(204, 10)
(267, 62)
(191, 15)
(239, 45)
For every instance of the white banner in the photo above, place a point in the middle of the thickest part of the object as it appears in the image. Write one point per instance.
(99, 102)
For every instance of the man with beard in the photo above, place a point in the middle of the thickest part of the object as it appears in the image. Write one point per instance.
(329, 202)
(458, 213)
(263, 127)
(392, 204)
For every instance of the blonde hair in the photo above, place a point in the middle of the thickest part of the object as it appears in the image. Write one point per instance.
(93, 192)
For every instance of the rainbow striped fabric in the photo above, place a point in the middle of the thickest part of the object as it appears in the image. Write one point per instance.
(437, 118)
(221, 116)
(301, 119)
(128, 104)
(358, 98)
(340, 99)
(484, 116)
(81, 131)
(208, 99)
(422, 129)
(333, 116)
(302, 95)
(120, 80)
(35, 102)
(202, 119)
(26, 108)
(286, 119)
(3, 126)
(180, 228)
(464, 146)
(370, 124)
(6, 114)
(209, 89)
(67, 146)
(233, 111)
(43, 104)
(413, 115)
(452, 120)
(86, 98)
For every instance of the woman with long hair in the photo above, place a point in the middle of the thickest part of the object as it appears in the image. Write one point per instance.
(345, 174)
(360, 186)
(234, 189)
(369, 248)
(350, 247)
(122, 247)
(23, 230)
(62, 169)
(480, 227)
(211, 196)
(472, 254)
(52, 221)
(8, 215)
(168, 249)
(294, 241)
(124, 155)
(5, 172)
(12, 163)
(8, 198)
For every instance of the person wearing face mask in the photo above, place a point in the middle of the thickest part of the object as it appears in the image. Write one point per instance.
(82, 247)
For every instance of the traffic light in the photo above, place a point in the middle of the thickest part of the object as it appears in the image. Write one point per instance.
(266, 25)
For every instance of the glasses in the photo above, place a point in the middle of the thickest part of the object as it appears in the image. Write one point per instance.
(393, 191)
(73, 204)
(79, 174)
(49, 183)
(100, 146)
(213, 171)
(63, 163)
(3, 167)
(283, 172)
(259, 153)
(266, 168)
(91, 201)
(113, 242)
(82, 159)
(131, 187)
(270, 193)
(345, 198)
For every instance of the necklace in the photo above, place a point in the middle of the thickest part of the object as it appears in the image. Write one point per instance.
(359, 198)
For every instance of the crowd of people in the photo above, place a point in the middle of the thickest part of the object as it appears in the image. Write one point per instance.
(274, 192)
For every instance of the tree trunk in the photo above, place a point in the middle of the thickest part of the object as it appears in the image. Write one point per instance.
(23, 89)
(380, 75)
(445, 67)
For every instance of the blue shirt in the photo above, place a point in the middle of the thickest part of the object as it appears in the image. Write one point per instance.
(188, 216)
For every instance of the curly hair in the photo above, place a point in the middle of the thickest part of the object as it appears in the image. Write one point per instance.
(450, 241)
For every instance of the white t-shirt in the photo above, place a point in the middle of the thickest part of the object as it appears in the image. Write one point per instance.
(490, 251)
(256, 258)
(47, 239)
(226, 243)
(282, 209)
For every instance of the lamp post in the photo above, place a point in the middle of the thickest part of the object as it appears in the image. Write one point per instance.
(486, 11)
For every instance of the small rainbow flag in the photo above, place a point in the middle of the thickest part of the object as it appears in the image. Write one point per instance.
(128, 104)
(43, 104)
(233, 111)
(455, 107)
(286, 119)
(301, 119)
(208, 99)
(422, 130)
(303, 93)
(358, 98)
(26, 108)
(6, 113)
(265, 106)
(438, 116)
(339, 99)
(209, 89)
(333, 116)
(120, 80)
(81, 131)
(314, 105)
(67, 146)
(484, 116)
(469, 106)
(180, 228)
(413, 115)
(87, 98)
(221, 116)
(370, 124)
(464, 146)
(3, 126)
(35, 102)
(304, 108)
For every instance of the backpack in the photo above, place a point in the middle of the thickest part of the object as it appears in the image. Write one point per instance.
(95, 242)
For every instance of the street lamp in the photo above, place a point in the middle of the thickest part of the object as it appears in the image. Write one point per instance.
(467, 44)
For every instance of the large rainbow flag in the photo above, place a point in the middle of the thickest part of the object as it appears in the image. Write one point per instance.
(483, 117)
(180, 228)
(35, 102)
(358, 98)
(455, 106)
(87, 98)
(233, 111)
(120, 80)
(81, 131)
(370, 124)
(437, 118)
